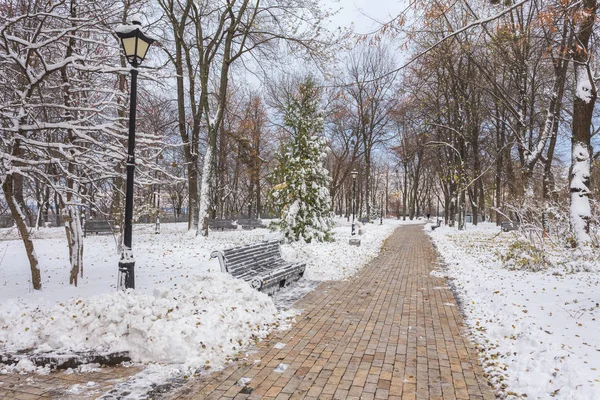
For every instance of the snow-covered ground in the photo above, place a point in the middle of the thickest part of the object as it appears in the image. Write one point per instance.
(537, 331)
(184, 311)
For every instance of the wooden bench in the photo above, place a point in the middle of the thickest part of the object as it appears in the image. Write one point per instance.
(437, 225)
(261, 265)
(221, 224)
(364, 220)
(508, 226)
(250, 223)
(98, 226)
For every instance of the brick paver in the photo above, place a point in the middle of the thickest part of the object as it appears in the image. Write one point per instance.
(391, 332)
(59, 385)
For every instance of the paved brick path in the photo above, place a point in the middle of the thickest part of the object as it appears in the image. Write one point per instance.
(391, 332)
(59, 385)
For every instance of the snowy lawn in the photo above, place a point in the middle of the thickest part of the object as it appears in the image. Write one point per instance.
(184, 311)
(537, 331)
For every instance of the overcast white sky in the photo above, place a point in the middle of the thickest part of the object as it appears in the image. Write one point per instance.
(366, 14)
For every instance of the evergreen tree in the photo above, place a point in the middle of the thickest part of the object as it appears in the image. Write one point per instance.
(302, 192)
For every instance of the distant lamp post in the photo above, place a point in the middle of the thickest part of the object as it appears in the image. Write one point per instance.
(381, 211)
(354, 175)
(135, 45)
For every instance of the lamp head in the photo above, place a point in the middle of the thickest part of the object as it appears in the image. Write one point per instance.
(134, 41)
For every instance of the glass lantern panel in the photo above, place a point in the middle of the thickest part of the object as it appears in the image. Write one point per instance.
(142, 48)
(129, 46)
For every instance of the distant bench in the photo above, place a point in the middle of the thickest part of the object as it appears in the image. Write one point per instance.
(98, 226)
(221, 224)
(508, 226)
(250, 223)
(261, 265)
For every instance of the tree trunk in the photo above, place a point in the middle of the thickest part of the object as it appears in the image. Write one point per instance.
(462, 210)
(560, 71)
(74, 233)
(500, 135)
(405, 194)
(476, 172)
(70, 212)
(19, 217)
(583, 107)
(17, 190)
(206, 186)
(367, 182)
(257, 188)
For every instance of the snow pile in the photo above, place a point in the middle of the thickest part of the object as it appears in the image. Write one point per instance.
(199, 324)
(536, 331)
(339, 260)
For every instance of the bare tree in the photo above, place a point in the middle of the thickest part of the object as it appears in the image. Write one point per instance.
(370, 95)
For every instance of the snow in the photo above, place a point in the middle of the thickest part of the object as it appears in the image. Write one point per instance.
(184, 312)
(584, 86)
(281, 368)
(243, 381)
(536, 331)
(127, 28)
(136, 19)
(339, 260)
(198, 323)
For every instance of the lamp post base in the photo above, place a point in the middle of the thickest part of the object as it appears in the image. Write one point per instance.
(126, 277)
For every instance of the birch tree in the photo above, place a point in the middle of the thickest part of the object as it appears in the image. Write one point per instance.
(584, 101)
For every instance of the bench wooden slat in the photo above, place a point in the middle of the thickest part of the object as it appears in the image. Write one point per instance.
(249, 252)
(258, 267)
(252, 247)
(234, 259)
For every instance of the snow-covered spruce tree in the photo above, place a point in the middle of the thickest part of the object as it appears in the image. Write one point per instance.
(302, 192)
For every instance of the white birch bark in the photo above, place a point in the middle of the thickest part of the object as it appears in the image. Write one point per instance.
(203, 207)
(74, 233)
(580, 194)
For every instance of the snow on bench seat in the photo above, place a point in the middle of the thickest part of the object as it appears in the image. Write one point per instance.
(261, 265)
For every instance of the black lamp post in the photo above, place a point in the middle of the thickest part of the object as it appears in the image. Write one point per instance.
(135, 44)
(354, 174)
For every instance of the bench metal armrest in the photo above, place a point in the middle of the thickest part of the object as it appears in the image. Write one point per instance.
(219, 254)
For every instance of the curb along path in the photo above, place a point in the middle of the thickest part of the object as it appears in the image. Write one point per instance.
(391, 332)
